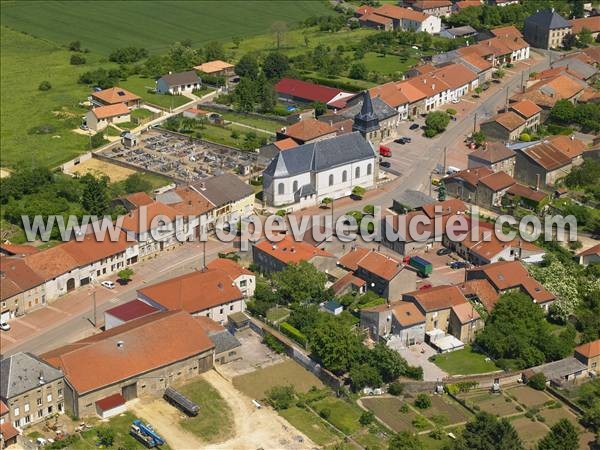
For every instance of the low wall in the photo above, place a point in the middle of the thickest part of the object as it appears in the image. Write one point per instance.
(76, 161)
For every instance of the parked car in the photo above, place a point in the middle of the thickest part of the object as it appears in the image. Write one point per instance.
(108, 284)
(385, 151)
(384, 164)
(425, 286)
(400, 141)
(443, 251)
(455, 101)
(406, 139)
(414, 126)
(4, 326)
(459, 265)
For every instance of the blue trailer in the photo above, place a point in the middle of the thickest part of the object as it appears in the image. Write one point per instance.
(144, 433)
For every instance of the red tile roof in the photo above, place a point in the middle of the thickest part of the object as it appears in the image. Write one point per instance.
(465, 312)
(285, 144)
(288, 251)
(371, 261)
(194, 292)
(135, 222)
(375, 18)
(526, 192)
(110, 402)
(509, 30)
(214, 66)
(19, 250)
(396, 12)
(407, 314)
(493, 152)
(471, 176)
(16, 277)
(591, 23)
(230, 267)
(307, 130)
(437, 297)
(595, 250)
(130, 350)
(547, 156)
(589, 350)
(526, 108)
(467, 4)
(192, 204)
(3, 408)
(131, 310)
(455, 75)
(347, 280)
(307, 91)
(497, 181)
(509, 120)
(483, 290)
(445, 208)
(138, 199)
(51, 262)
(104, 112)
(115, 95)
(7, 431)
(568, 145)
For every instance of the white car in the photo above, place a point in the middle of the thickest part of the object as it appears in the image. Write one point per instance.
(4, 326)
(455, 101)
(108, 284)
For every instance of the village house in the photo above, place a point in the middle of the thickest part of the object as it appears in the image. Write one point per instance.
(100, 117)
(541, 164)
(589, 256)
(569, 146)
(8, 433)
(495, 156)
(131, 361)
(127, 312)
(307, 130)
(330, 168)
(480, 186)
(31, 389)
(227, 346)
(546, 29)
(196, 210)
(437, 8)
(299, 91)
(114, 96)
(529, 111)
(133, 201)
(244, 279)
(578, 65)
(504, 2)
(509, 276)
(275, 256)
(589, 354)
(403, 19)
(375, 21)
(410, 200)
(401, 321)
(520, 195)
(545, 93)
(216, 68)
(480, 293)
(460, 5)
(591, 24)
(384, 275)
(21, 289)
(349, 284)
(178, 83)
(506, 126)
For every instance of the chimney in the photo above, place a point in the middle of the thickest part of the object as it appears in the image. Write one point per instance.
(220, 285)
(41, 378)
(120, 344)
(433, 87)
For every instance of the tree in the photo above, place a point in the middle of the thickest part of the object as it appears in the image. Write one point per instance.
(247, 66)
(137, 183)
(396, 388)
(388, 362)
(106, 436)
(537, 381)
(441, 191)
(364, 375)
(577, 10)
(423, 401)
(358, 71)
(275, 65)
(77, 60)
(95, 198)
(479, 138)
(358, 191)
(569, 41)
(584, 38)
(279, 28)
(300, 283)
(405, 441)
(319, 107)
(327, 201)
(436, 122)
(366, 418)
(336, 344)
(244, 95)
(562, 436)
(266, 94)
(214, 50)
(75, 46)
(563, 112)
(125, 274)
(486, 432)
(281, 397)
(45, 86)
(127, 55)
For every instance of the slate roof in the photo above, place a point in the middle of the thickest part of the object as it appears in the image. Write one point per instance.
(547, 19)
(320, 155)
(21, 372)
(177, 79)
(223, 340)
(223, 189)
(413, 199)
(380, 108)
(461, 31)
(492, 153)
(576, 65)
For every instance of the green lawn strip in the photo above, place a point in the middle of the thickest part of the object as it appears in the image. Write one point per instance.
(223, 135)
(464, 362)
(214, 423)
(310, 424)
(253, 121)
(141, 86)
(276, 314)
(372, 441)
(388, 64)
(343, 415)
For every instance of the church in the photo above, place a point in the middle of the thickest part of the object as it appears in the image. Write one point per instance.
(303, 176)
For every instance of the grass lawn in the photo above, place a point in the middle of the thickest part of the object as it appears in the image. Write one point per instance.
(215, 421)
(26, 62)
(222, 135)
(309, 424)
(141, 114)
(277, 313)
(342, 414)
(388, 64)
(201, 22)
(257, 383)
(257, 122)
(120, 425)
(388, 410)
(139, 85)
(464, 362)
(372, 441)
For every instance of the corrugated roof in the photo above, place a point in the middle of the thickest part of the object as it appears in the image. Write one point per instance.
(131, 310)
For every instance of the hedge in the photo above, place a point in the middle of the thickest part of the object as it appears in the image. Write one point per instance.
(294, 333)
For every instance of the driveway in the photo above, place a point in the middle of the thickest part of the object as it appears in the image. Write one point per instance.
(418, 355)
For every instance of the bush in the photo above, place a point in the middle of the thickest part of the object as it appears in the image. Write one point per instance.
(423, 401)
(525, 137)
(325, 413)
(106, 436)
(395, 388)
(293, 333)
(77, 60)
(414, 372)
(281, 397)
(537, 381)
(45, 86)
(404, 408)
(451, 111)
(366, 418)
(273, 343)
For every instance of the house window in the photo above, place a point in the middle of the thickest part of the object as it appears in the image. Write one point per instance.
(26, 407)
(16, 412)
(243, 283)
(39, 401)
(331, 180)
(281, 189)
(40, 413)
(27, 419)
(344, 176)
(59, 392)
(221, 311)
(357, 173)
(369, 169)
(17, 423)
(230, 307)
(49, 398)
(49, 409)
(295, 186)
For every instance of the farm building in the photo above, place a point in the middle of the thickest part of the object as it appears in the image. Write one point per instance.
(292, 90)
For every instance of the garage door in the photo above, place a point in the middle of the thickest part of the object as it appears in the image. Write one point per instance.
(4, 316)
(129, 392)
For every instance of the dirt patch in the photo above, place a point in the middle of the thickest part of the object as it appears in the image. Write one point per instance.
(528, 396)
(496, 404)
(98, 167)
(447, 410)
(387, 409)
(530, 432)
(554, 415)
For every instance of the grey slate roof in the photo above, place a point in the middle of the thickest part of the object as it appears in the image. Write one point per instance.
(558, 369)
(21, 372)
(224, 341)
(320, 155)
(462, 31)
(223, 189)
(413, 199)
(169, 198)
(547, 19)
(177, 79)
(381, 110)
(575, 64)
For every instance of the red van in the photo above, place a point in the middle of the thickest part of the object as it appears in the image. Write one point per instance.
(385, 151)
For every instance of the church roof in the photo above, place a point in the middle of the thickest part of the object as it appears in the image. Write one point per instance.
(366, 120)
(320, 155)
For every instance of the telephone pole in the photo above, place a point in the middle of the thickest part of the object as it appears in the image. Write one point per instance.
(94, 318)
(475, 123)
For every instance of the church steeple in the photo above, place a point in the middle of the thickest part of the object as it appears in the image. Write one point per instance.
(366, 121)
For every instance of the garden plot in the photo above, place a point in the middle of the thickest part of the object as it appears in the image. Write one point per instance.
(528, 397)
(388, 410)
(529, 431)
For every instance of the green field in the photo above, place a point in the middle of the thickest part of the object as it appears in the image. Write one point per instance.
(464, 362)
(140, 86)
(309, 424)
(103, 26)
(341, 414)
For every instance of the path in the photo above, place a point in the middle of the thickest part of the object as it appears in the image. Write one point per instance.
(249, 423)
(252, 128)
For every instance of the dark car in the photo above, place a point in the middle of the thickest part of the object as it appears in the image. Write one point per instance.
(400, 141)
(443, 251)
(459, 265)
(414, 126)
(384, 164)
(407, 140)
